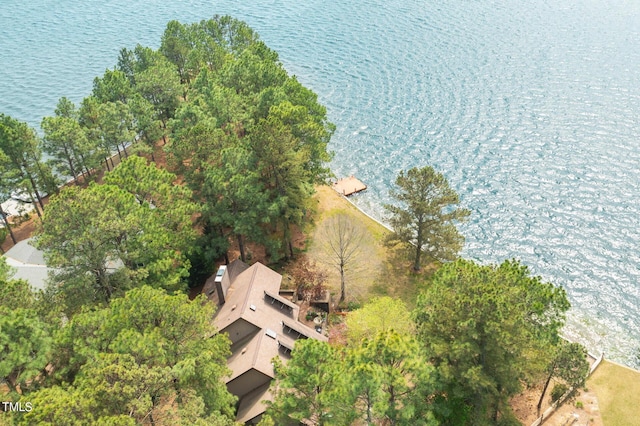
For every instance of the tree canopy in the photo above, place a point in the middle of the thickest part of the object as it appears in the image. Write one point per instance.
(241, 103)
(147, 356)
(212, 90)
(235, 198)
(306, 387)
(115, 341)
(134, 229)
(569, 363)
(25, 341)
(21, 159)
(379, 314)
(65, 140)
(481, 327)
(382, 380)
(24, 346)
(427, 216)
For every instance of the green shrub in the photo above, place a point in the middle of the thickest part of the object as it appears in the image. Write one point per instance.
(579, 405)
(558, 390)
(353, 306)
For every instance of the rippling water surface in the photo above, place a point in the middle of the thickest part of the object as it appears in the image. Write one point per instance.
(531, 110)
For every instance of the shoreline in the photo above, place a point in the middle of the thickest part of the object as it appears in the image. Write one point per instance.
(592, 352)
(27, 228)
(602, 396)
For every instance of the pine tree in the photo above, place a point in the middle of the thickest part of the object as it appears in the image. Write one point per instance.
(426, 217)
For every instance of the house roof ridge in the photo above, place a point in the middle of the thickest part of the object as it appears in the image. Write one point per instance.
(254, 361)
(248, 293)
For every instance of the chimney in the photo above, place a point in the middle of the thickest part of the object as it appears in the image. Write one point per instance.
(222, 271)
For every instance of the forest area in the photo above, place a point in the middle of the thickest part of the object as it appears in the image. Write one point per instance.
(115, 340)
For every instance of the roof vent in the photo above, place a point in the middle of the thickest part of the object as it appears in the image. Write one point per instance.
(252, 307)
(233, 307)
(271, 333)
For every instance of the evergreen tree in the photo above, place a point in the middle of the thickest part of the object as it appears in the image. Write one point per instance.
(311, 387)
(6, 187)
(383, 380)
(134, 229)
(115, 127)
(391, 381)
(176, 46)
(160, 85)
(195, 143)
(569, 364)
(282, 169)
(147, 125)
(159, 254)
(22, 156)
(147, 356)
(426, 216)
(81, 235)
(24, 347)
(64, 140)
(25, 342)
(236, 199)
(89, 118)
(483, 328)
(113, 86)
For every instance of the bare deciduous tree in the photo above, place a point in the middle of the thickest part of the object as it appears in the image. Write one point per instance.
(344, 239)
(308, 279)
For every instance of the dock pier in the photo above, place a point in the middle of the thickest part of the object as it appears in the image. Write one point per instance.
(349, 186)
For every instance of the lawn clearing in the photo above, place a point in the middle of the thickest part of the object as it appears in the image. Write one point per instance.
(378, 269)
(617, 388)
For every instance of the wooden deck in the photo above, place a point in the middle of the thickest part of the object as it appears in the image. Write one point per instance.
(348, 186)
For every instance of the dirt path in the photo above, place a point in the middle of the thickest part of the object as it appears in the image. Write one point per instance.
(21, 232)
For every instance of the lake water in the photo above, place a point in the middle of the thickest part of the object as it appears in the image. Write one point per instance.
(531, 109)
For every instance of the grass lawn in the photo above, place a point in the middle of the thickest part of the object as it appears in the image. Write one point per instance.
(377, 269)
(617, 389)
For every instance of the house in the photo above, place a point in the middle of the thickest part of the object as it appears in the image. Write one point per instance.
(261, 325)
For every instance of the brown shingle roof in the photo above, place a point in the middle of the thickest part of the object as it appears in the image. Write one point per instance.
(247, 291)
(253, 298)
(251, 405)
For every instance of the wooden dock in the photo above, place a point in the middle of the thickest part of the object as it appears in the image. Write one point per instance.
(348, 186)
